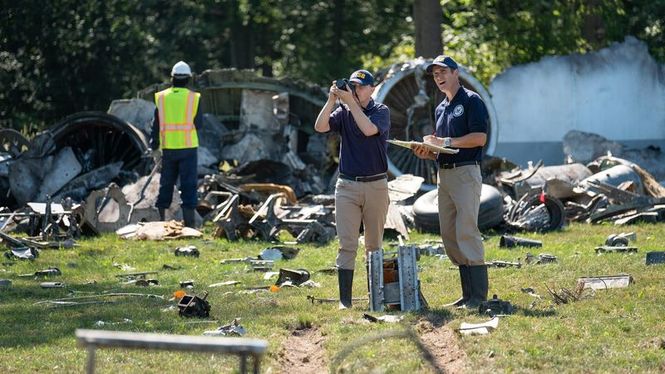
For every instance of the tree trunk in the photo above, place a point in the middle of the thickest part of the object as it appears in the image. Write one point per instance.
(593, 27)
(427, 17)
(338, 27)
(242, 40)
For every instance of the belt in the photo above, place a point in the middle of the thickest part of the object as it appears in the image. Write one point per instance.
(369, 178)
(458, 164)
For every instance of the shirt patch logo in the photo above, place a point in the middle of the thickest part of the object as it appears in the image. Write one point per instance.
(458, 111)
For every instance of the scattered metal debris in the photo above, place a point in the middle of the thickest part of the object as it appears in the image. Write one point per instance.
(656, 257)
(393, 280)
(564, 295)
(254, 263)
(404, 187)
(292, 277)
(479, 328)
(52, 285)
(508, 241)
(237, 260)
(431, 249)
(261, 265)
(558, 180)
(543, 258)
(268, 225)
(503, 264)
(101, 323)
(16, 245)
(617, 243)
(194, 306)
(24, 253)
(50, 272)
(232, 220)
(232, 329)
(227, 283)
(188, 251)
(327, 300)
(615, 249)
(536, 211)
(134, 276)
(605, 282)
(187, 284)
(62, 160)
(395, 222)
(279, 252)
(622, 239)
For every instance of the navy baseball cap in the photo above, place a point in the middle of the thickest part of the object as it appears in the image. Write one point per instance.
(362, 77)
(443, 61)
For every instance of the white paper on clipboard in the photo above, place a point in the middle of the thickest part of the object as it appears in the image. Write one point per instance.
(431, 147)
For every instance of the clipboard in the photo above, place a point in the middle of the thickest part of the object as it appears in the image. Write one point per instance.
(431, 147)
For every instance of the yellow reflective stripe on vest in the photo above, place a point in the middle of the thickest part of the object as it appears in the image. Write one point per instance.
(176, 118)
(190, 110)
(160, 110)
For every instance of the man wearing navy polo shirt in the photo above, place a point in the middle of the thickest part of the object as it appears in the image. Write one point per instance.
(461, 122)
(361, 192)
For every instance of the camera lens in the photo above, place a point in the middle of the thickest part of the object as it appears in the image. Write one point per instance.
(341, 84)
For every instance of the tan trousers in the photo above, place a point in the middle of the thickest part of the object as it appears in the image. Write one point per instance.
(357, 202)
(459, 202)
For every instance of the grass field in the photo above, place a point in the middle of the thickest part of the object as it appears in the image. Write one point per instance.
(616, 330)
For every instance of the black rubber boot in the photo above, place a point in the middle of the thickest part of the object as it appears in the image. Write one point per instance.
(188, 217)
(466, 287)
(345, 278)
(162, 214)
(479, 286)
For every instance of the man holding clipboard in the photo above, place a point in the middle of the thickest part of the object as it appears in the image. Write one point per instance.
(461, 122)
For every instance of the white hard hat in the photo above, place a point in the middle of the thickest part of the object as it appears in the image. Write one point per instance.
(181, 68)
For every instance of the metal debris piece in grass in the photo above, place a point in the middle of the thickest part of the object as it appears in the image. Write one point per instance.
(615, 249)
(565, 296)
(479, 328)
(656, 257)
(194, 306)
(188, 251)
(232, 329)
(605, 282)
(92, 299)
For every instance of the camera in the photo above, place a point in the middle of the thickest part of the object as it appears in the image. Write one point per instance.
(342, 84)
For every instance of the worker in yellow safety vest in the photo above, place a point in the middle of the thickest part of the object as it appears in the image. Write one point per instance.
(175, 141)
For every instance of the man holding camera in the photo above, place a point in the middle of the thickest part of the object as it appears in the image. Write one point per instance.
(461, 122)
(361, 192)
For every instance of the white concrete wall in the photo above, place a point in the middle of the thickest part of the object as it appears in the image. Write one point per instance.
(617, 92)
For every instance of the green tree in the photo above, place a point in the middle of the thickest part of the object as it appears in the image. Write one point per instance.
(58, 57)
(489, 36)
(64, 56)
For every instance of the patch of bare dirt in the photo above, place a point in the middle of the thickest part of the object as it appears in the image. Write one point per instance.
(442, 342)
(303, 352)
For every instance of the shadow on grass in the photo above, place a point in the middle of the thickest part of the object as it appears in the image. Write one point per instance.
(440, 317)
(436, 316)
(534, 312)
(29, 324)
